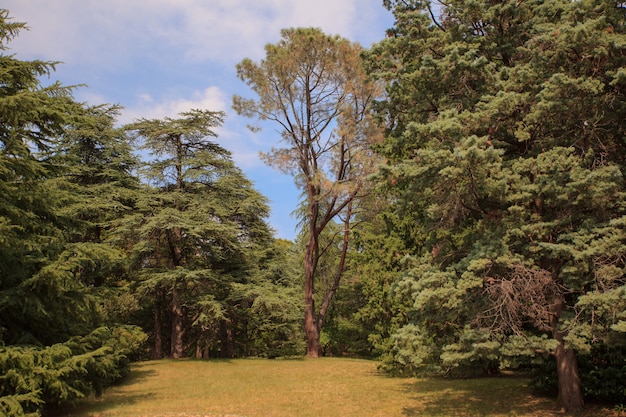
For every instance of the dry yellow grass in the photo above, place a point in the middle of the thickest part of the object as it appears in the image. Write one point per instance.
(305, 388)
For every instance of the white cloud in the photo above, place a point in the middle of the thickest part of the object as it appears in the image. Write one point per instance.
(242, 143)
(222, 31)
(146, 106)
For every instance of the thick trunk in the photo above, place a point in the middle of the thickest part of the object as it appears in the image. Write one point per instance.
(570, 394)
(176, 312)
(570, 397)
(312, 331)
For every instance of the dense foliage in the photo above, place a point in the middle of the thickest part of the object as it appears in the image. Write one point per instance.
(100, 251)
(491, 236)
(506, 139)
(65, 372)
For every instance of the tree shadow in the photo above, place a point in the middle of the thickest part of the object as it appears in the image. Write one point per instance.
(110, 399)
(476, 397)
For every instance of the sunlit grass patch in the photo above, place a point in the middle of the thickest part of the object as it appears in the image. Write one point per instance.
(306, 388)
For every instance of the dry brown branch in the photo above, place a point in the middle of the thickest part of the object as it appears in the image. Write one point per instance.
(520, 296)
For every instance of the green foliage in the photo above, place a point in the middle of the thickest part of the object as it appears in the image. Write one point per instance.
(195, 233)
(275, 323)
(31, 233)
(345, 333)
(505, 143)
(382, 244)
(64, 373)
(271, 304)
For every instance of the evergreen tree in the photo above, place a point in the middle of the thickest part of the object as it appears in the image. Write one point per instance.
(194, 229)
(506, 138)
(384, 245)
(35, 294)
(97, 178)
(51, 349)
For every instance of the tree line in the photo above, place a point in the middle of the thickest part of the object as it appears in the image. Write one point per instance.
(462, 209)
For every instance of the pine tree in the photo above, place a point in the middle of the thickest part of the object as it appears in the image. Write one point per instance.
(35, 294)
(506, 126)
(51, 349)
(314, 88)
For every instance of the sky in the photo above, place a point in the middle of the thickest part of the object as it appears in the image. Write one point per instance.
(157, 58)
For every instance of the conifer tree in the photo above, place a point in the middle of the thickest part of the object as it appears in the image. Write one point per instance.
(314, 88)
(34, 294)
(506, 136)
(193, 228)
(50, 349)
(97, 179)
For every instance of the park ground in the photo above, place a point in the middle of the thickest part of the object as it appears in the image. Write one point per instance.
(310, 388)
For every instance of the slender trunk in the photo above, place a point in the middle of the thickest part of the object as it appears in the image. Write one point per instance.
(227, 349)
(310, 320)
(176, 312)
(311, 256)
(158, 334)
(340, 269)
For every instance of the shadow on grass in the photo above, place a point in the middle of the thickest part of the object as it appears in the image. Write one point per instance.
(476, 397)
(137, 375)
(112, 397)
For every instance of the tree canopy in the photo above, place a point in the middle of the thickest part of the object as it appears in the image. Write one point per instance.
(505, 136)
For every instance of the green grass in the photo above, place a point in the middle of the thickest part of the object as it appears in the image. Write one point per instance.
(306, 388)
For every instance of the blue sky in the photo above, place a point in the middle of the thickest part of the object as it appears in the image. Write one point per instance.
(157, 58)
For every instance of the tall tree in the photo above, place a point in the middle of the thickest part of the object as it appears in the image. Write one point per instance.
(506, 136)
(314, 87)
(36, 294)
(194, 227)
(46, 306)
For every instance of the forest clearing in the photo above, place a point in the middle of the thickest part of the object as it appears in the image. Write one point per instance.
(332, 387)
(462, 212)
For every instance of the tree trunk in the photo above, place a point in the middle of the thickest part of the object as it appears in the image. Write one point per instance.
(227, 349)
(311, 329)
(311, 255)
(177, 326)
(570, 397)
(158, 339)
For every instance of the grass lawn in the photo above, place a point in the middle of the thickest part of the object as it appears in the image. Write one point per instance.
(307, 388)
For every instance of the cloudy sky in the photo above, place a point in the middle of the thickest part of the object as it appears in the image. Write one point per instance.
(157, 58)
